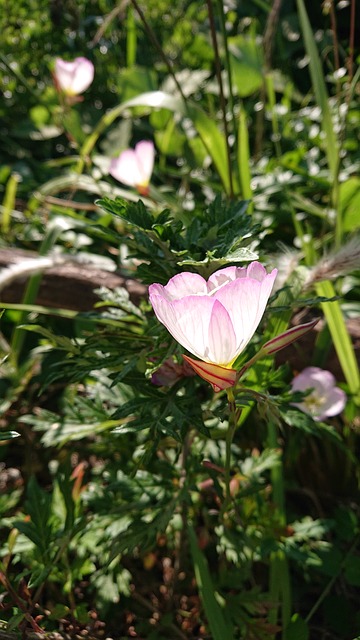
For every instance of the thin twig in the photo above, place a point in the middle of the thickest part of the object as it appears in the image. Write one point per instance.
(107, 20)
(269, 33)
(60, 202)
(158, 46)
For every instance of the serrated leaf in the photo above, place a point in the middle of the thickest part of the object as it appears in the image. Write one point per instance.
(60, 342)
(38, 508)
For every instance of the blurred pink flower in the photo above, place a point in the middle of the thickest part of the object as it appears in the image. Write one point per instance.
(325, 400)
(170, 372)
(214, 319)
(134, 167)
(73, 77)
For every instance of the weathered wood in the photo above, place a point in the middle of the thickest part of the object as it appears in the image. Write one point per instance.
(66, 286)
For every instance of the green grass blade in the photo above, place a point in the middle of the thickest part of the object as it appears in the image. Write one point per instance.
(219, 628)
(320, 91)
(131, 37)
(213, 139)
(243, 157)
(340, 336)
(9, 201)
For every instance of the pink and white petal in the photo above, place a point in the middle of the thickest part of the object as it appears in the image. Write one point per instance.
(83, 75)
(240, 299)
(185, 284)
(222, 338)
(166, 314)
(157, 289)
(145, 154)
(314, 378)
(63, 72)
(257, 271)
(324, 379)
(267, 285)
(193, 315)
(245, 300)
(187, 320)
(334, 404)
(179, 286)
(125, 168)
(224, 276)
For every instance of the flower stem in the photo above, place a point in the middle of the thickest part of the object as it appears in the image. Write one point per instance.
(233, 418)
(280, 589)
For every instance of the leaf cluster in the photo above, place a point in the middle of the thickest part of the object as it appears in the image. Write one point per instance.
(165, 244)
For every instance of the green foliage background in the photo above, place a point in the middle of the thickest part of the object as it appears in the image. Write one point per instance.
(116, 511)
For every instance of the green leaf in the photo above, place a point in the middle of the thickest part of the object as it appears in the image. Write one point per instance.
(349, 203)
(135, 212)
(14, 622)
(340, 336)
(297, 629)
(352, 571)
(73, 125)
(136, 80)
(243, 157)
(60, 342)
(246, 65)
(38, 528)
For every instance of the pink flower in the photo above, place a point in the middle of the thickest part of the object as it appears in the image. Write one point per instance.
(325, 399)
(170, 372)
(134, 167)
(73, 77)
(214, 319)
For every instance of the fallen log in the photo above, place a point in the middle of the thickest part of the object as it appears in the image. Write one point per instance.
(65, 285)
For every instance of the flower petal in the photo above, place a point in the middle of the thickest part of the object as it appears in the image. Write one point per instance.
(334, 404)
(314, 378)
(145, 155)
(74, 77)
(125, 168)
(257, 271)
(191, 320)
(222, 338)
(325, 399)
(224, 276)
(83, 75)
(219, 377)
(245, 300)
(181, 285)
